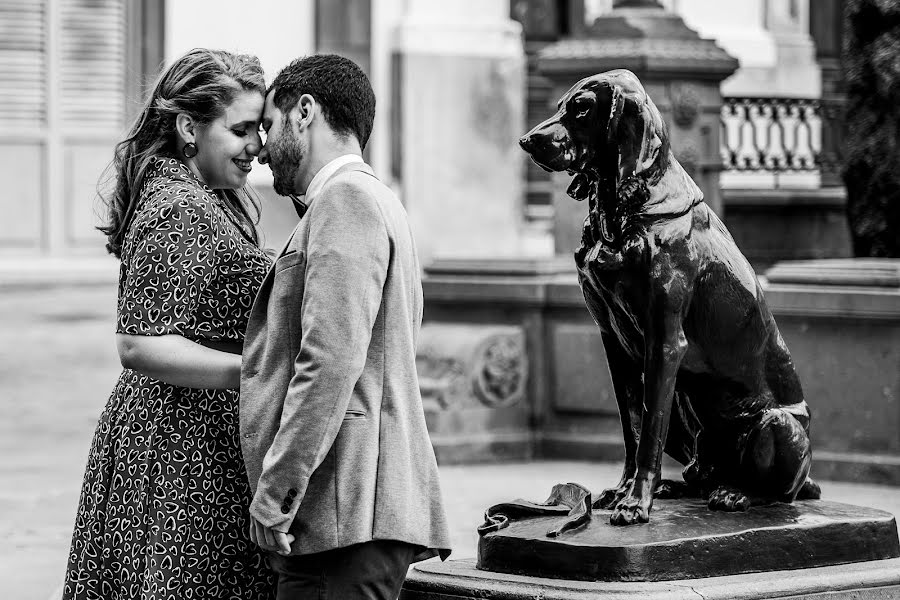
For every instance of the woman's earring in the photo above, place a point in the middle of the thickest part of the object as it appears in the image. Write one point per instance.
(189, 150)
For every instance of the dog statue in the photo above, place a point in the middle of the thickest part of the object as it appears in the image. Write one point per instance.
(699, 367)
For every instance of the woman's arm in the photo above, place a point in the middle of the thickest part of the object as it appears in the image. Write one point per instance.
(178, 361)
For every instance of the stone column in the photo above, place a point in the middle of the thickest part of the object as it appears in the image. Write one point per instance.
(462, 71)
(796, 72)
(680, 70)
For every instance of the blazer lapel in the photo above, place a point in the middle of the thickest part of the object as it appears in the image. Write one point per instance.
(288, 242)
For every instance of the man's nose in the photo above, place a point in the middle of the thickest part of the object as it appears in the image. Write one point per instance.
(263, 157)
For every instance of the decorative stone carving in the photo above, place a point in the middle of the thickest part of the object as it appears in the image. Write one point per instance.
(685, 105)
(470, 365)
(501, 378)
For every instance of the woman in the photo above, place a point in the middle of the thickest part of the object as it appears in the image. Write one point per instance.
(164, 505)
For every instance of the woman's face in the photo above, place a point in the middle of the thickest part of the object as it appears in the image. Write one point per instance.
(227, 145)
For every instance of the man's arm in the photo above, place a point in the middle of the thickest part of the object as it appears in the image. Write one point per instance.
(346, 268)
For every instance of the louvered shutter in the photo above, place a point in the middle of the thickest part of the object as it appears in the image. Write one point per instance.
(92, 63)
(23, 64)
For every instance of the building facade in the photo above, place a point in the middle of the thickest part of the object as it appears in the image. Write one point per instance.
(72, 73)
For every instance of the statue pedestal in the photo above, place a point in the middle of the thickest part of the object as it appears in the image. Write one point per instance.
(686, 540)
(686, 551)
(460, 580)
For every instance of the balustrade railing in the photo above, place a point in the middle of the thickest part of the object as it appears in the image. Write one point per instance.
(774, 136)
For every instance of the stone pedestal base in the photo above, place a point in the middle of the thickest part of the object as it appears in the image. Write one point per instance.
(459, 580)
(808, 549)
(686, 540)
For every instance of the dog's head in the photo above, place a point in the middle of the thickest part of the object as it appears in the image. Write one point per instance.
(605, 126)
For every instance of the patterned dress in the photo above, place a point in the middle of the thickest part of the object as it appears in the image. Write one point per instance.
(163, 513)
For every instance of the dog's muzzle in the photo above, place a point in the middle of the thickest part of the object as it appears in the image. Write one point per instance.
(549, 146)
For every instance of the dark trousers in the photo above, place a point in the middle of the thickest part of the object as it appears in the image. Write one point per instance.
(370, 571)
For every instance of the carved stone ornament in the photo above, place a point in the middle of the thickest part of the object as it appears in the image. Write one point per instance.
(685, 105)
(463, 365)
(500, 381)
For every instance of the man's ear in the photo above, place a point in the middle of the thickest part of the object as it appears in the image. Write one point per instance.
(186, 128)
(306, 109)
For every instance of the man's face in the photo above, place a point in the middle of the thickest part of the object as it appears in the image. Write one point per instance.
(284, 151)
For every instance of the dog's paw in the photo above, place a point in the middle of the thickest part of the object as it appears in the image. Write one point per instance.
(728, 499)
(810, 490)
(630, 511)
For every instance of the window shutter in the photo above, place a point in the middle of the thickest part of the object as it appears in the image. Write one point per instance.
(92, 64)
(23, 64)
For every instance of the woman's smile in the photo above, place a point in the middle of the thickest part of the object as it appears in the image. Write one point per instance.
(243, 165)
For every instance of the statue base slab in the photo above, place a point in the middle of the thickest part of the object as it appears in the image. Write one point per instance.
(460, 580)
(686, 540)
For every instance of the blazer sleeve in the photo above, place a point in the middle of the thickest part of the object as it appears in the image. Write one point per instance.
(347, 261)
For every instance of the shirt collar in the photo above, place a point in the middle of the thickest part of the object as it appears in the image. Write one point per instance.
(324, 174)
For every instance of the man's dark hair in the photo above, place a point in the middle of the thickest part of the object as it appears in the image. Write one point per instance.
(337, 84)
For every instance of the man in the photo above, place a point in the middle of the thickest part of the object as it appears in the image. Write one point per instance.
(332, 427)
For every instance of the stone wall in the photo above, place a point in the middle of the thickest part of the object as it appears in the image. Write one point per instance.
(841, 320)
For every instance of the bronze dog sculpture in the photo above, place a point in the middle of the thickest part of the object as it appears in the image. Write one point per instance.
(699, 367)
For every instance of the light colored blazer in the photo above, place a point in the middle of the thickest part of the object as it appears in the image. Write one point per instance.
(332, 426)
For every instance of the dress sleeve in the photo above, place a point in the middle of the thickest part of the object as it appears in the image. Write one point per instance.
(172, 263)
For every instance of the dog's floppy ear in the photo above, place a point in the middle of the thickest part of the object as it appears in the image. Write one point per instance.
(636, 126)
(652, 140)
(616, 107)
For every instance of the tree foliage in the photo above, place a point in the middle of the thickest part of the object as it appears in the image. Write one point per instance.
(872, 143)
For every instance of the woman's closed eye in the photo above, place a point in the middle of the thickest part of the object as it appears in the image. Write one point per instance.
(245, 128)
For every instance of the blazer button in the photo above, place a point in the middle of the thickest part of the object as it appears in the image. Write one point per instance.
(285, 509)
(292, 492)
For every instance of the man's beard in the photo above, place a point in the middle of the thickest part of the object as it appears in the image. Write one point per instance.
(285, 156)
